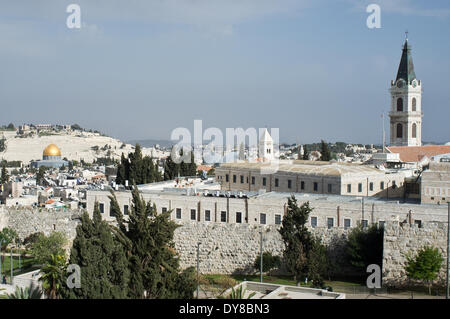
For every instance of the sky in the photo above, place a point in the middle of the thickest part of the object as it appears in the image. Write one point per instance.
(140, 69)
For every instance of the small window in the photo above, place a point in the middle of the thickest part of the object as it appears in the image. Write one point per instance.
(264, 181)
(330, 222)
(101, 206)
(207, 215)
(371, 186)
(399, 130)
(178, 213)
(262, 218)
(360, 188)
(276, 182)
(394, 185)
(418, 223)
(234, 178)
(223, 216)
(364, 223)
(164, 210)
(330, 188)
(242, 179)
(414, 104)
(347, 223)
(193, 214)
(316, 186)
(253, 180)
(302, 185)
(289, 183)
(227, 178)
(349, 188)
(125, 209)
(277, 219)
(399, 104)
(238, 217)
(381, 185)
(381, 224)
(414, 130)
(313, 222)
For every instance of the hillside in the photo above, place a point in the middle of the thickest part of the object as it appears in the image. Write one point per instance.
(74, 145)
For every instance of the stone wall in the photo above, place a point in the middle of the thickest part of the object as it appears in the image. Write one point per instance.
(233, 248)
(403, 238)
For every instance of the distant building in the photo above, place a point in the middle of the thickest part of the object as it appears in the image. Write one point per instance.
(51, 158)
(435, 186)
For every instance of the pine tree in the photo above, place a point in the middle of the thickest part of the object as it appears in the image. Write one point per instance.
(102, 259)
(305, 153)
(325, 151)
(5, 176)
(297, 239)
(153, 261)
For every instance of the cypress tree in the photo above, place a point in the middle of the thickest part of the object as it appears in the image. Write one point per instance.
(305, 153)
(5, 177)
(325, 151)
(102, 259)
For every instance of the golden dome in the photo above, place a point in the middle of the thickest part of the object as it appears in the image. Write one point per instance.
(52, 150)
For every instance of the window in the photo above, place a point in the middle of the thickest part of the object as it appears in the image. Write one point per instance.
(371, 186)
(360, 187)
(277, 219)
(302, 185)
(399, 104)
(381, 224)
(125, 209)
(178, 213)
(207, 215)
(330, 188)
(276, 182)
(313, 222)
(253, 180)
(101, 206)
(234, 178)
(164, 209)
(264, 181)
(316, 186)
(381, 185)
(223, 217)
(238, 217)
(227, 178)
(414, 104)
(193, 214)
(262, 218)
(111, 212)
(364, 223)
(399, 130)
(394, 185)
(349, 188)
(347, 223)
(414, 130)
(418, 223)
(242, 179)
(289, 183)
(330, 222)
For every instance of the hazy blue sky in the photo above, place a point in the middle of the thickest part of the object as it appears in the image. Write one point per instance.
(139, 69)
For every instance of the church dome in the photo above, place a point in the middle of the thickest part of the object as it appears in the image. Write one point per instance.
(52, 150)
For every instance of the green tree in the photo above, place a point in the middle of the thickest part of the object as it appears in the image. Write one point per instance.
(102, 259)
(153, 261)
(7, 236)
(53, 276)
(364, 247)
(298, 241)
(46, 246)
(40, 175)
(425, 265)
(5, 177)
(27, 293)
(305, 153)
(269, 262)
(325, 151)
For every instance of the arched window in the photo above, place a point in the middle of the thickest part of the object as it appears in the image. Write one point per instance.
(414, 130)
(399, 104)
(399, 130)
(414, 103)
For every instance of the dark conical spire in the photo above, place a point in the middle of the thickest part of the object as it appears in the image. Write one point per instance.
(406, 68)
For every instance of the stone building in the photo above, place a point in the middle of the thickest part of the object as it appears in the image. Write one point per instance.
(435, 185)
(51, 158)
(312, 177)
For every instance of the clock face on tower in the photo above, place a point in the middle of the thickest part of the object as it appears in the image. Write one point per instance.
(400, 84)
(414, 84)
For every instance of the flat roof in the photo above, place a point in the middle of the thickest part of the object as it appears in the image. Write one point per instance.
(316, 168)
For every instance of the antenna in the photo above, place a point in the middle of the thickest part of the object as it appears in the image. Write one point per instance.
(384, 133)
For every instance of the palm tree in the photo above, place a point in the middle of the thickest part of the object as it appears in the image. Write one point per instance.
(53, 275)
(239, 293)
(27, 293)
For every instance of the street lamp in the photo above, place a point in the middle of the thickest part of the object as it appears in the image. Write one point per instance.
(261, 257)
(198, 267)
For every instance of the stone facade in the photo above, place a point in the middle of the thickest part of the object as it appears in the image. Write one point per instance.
(435, 185)
(403, 238)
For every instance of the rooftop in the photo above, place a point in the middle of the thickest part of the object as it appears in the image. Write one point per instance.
(416, 153)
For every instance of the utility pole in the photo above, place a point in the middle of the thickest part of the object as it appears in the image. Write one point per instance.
(362, 211)
(448, 251)
(261, 257)
(11, 262)
(198, 267)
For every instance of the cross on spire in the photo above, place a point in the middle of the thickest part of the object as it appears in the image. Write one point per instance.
(406, 35)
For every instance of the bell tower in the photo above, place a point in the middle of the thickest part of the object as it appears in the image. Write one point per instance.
(406, 104)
